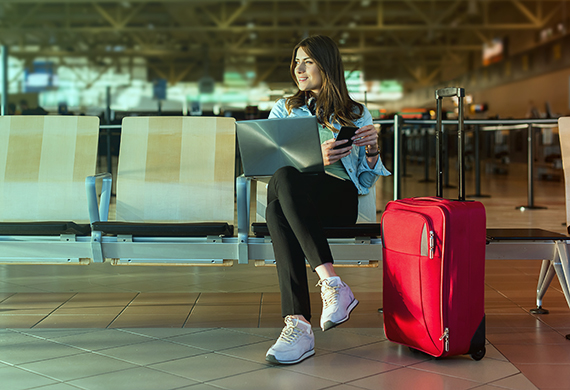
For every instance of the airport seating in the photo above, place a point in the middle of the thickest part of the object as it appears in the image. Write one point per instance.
(175, 193)
(358, 245)
(44, 161)
(176, 201)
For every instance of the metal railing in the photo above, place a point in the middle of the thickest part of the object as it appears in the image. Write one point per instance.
(479, 125)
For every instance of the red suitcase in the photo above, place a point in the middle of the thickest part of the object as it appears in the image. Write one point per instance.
(434, 265)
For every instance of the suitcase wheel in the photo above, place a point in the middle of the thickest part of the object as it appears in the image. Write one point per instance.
(479, 354)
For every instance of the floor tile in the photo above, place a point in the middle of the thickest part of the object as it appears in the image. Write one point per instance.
(536, 353)
(54, 334)
(149, 321)
(226, 299)
(102, 339)
(93, 300)
(200, 386)
(515, 382)
(165, 299)
(11, 339)
(39, 350)
(387, 352)
(513, 321)
(524, 336)
(344, 387)
(217, 339)
(58, 386)
(146, 379)
(162, 333)
(207, 367)
(77, 366)
(98, 310)
(157, 309)
(206, 316)
(493, 353)
(35, 301)
(14, 378)
(341, 368)
(20, 321)
(273, 378)
(339, 339)
(252, 352)
(76, 320)
(409, 378)
(484, 371)
(556, 320)
(150, 352)
(547, 376)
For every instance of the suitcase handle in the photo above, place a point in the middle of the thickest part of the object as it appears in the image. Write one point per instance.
(449, 92)
(439, 95)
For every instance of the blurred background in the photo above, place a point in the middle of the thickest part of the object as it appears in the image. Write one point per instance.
(231, 57)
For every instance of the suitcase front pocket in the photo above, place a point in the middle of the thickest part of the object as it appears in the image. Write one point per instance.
(411, 292)
(408, 233)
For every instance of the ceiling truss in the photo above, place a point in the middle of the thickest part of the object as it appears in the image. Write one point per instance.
(411, 40)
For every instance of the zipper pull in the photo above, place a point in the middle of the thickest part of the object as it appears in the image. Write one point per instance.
(445, 336)
(431, 244)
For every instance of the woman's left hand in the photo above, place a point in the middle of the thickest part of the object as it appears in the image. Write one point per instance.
(366, 136)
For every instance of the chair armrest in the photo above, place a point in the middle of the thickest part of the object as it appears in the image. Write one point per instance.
(98, 211)
(243, 195)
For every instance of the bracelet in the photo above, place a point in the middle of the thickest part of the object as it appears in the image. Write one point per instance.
(373, 154)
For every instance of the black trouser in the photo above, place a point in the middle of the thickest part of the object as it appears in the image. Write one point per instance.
(298, 206)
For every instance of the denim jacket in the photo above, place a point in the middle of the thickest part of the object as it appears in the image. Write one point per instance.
(355, 163)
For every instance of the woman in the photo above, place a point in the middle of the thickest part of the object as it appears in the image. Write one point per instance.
(299, 205)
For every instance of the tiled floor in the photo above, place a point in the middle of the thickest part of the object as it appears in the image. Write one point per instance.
(105, 327)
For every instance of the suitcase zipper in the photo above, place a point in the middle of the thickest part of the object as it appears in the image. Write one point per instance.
(431, 244)
(445, 336)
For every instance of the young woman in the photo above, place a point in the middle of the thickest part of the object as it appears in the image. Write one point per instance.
(300, 205)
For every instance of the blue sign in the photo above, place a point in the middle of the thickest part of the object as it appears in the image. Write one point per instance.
(159, 89)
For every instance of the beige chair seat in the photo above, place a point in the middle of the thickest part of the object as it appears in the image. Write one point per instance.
(175, 200)
(44, 161)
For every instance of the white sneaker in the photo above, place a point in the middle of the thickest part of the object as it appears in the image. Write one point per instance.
(296, 343)
(338, 302)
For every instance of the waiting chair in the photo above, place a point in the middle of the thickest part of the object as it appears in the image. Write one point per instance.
(175, 193)
(357, 245)
(44, 161)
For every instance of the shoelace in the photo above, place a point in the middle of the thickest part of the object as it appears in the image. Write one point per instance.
(290, 333)
(329, 294)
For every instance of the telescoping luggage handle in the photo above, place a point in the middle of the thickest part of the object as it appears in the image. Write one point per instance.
(439, 95)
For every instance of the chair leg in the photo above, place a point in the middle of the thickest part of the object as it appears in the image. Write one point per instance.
(547, 273)
(562, 267)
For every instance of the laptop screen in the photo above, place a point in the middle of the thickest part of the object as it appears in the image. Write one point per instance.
(266, 145)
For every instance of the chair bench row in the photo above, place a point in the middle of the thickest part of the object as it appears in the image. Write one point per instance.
(176, 200)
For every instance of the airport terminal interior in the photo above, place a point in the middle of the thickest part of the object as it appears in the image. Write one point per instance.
(169, 326)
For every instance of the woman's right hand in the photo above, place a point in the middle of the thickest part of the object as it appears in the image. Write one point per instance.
(331, 155)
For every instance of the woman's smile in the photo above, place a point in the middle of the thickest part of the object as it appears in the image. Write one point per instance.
(307, 73)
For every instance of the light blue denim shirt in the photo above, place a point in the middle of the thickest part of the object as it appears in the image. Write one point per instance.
(355, 163)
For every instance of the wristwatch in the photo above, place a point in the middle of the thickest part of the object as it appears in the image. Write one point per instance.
(373, 154)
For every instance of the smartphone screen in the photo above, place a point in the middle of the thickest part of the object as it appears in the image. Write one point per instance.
(346, 132)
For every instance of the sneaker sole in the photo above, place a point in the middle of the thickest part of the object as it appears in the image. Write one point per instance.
(273, 360)
(329, 324)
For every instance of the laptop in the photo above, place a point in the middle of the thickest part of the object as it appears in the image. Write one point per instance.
(266, 145)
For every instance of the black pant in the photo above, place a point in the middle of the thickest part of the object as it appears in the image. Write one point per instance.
(298, 206)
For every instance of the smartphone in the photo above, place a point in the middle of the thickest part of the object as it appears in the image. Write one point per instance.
(346, 132)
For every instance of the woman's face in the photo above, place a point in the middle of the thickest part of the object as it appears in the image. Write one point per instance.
(307, 72)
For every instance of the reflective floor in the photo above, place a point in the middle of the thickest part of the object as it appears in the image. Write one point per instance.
(105, 327)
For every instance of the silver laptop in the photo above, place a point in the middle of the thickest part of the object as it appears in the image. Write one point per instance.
(266, 145)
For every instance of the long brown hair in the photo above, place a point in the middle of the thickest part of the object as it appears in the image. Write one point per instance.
(333, 103)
